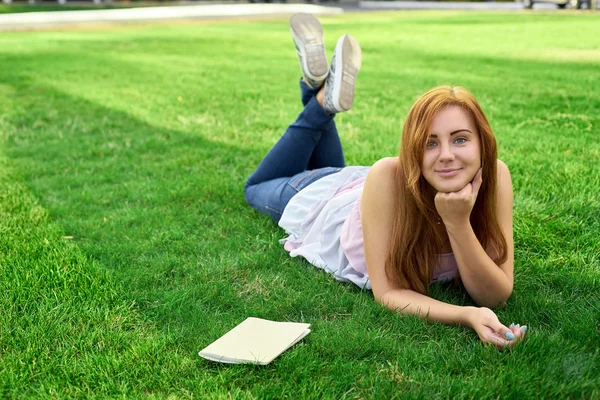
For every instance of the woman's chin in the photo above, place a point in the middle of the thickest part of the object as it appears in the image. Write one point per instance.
(448, 187)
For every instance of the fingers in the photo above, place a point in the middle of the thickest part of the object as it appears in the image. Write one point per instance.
(466, 192)
(502, 336)
(500, 341)
(457, 206)
(518, 331)
(464, 195)
(470, 190)
(476, 183)
(502, 331)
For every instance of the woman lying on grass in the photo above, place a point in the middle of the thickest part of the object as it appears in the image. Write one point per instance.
(441, 210)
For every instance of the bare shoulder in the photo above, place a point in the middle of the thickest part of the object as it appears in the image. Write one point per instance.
(379, 193)
(502, 167)
(504, 194)
(503, 174)
(384, 170)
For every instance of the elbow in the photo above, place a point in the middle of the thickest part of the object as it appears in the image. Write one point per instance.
(499, 300)
(382, 297)
(379, 296)
(491, 304)
(389, 297)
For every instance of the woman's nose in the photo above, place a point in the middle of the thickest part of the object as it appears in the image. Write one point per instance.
(446, 153)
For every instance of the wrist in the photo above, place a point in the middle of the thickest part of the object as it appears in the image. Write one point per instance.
(457, 228)
(467, 316)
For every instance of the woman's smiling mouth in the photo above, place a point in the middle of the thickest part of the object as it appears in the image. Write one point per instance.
(448, 172)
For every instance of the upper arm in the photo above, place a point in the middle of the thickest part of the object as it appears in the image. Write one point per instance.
(378, 210)
(505, 217)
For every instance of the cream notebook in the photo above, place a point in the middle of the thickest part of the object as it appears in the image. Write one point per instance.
(255, 341)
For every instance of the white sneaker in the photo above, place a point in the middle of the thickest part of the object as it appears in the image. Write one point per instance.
(307, 33)
(339, 88)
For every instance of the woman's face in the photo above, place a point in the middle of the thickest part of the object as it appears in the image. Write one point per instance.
(452, 153)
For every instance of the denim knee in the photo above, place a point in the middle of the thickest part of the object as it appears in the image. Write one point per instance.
(247, 196)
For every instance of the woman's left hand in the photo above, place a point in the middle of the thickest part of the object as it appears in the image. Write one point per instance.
(490, 330)
(455, 207)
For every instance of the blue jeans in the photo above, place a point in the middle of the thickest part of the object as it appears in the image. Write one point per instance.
(309, 150)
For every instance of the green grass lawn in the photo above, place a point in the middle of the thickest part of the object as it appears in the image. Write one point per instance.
(126, 245)
(25, 8)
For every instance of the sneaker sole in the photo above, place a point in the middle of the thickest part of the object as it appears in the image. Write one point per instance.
(313, 60)
(347, 64)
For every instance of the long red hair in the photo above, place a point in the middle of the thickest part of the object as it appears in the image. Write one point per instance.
(415, 243)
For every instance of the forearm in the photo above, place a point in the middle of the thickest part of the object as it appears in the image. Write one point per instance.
(413, 303)
(485, 282)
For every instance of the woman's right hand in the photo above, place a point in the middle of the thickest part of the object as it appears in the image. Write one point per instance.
(489, 329)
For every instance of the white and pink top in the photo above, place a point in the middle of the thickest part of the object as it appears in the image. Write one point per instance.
(324, 227)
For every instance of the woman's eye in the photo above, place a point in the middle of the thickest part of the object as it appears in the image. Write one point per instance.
(430, 144)
(460, 140)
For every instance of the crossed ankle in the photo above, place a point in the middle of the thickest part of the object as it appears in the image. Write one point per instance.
(321, 96)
